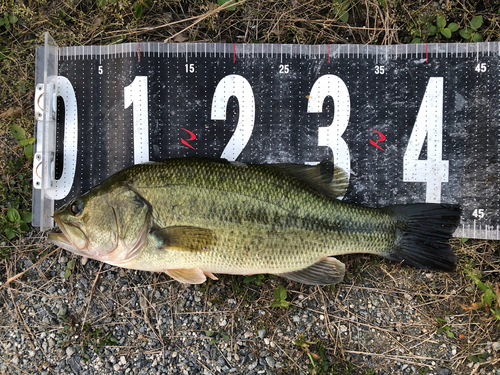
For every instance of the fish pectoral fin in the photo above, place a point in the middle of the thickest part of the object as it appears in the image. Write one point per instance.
(187, 275)
(325, 272)
(185, 238)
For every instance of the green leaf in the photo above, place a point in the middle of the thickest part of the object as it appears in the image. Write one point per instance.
(26, 216)
(450, 334)
(209, 333)
(67, 274)
(137, 10)
(9, 232)
(476, 22)
(231, 8)
(440, 22)
(476, 37)
(2, 22)
(13, 215)
(453, 27)
(344, 17)
(432, 30)
(23, 226)
(382, 3)
(13, 19)
(416, 40)
(28, 151)
(446, 32)
(17, 132)
(280, 293)
(281, 303)
(465, 33)
(70, 265)
(488, 297)
(249, 279)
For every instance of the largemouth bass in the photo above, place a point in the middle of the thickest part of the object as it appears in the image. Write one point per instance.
(193, 218)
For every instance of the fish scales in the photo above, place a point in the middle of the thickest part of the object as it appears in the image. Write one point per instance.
(262, 218)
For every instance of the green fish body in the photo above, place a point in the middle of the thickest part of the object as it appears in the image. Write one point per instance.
(192, 218)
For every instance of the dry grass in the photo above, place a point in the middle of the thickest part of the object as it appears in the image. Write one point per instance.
(403, 327)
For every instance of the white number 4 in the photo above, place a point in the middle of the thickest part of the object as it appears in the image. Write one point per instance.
(429, 124)
(478, 213)
(480, 68)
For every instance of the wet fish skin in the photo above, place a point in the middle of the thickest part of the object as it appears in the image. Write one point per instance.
(192, 218)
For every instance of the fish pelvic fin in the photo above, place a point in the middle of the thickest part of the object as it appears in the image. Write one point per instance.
(423, 233)
(187, 275)
(186, 238)
(325, 272)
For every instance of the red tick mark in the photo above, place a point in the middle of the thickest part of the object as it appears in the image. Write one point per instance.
(381, 139)
(139, 52)
(192, 136)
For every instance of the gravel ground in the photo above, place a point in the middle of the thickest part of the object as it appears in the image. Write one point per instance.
(383, 319)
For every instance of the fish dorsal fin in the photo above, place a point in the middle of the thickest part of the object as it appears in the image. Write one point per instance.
(187, 275)
(325, 272)
(184, 238)
(324, 178)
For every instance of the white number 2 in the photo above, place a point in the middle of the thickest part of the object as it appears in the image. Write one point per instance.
(434, 170)
(235, 85)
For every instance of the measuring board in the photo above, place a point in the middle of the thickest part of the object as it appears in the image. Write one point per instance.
(409, 123)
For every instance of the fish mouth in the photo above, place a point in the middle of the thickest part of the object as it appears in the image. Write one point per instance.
(59, 236)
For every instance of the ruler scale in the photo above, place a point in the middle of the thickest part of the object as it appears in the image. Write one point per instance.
(410, 123)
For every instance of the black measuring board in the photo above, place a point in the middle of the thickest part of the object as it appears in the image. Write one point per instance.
(410, 123)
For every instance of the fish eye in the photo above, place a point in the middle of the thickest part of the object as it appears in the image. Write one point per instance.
(76, 207)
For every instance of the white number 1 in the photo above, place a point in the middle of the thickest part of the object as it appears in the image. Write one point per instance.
(137, 94)
(434, 170)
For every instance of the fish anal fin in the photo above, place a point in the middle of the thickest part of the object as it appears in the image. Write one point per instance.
(210, 275)
(186, 238)
(187, 275)
(325, 272)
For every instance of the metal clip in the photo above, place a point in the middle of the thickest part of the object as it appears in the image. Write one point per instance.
(40, 102)
(37, 171)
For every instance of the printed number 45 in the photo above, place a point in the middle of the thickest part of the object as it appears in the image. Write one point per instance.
(478, 213)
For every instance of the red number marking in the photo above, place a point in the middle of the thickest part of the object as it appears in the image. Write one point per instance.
(381, 139)
(192, 136)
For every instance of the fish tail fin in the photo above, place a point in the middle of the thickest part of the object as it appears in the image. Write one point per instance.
(423, 231)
